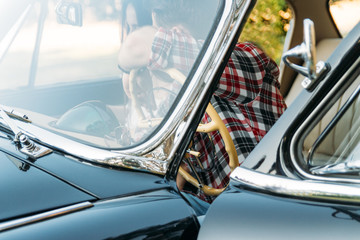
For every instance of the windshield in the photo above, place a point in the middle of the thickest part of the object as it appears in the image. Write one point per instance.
(105, 73)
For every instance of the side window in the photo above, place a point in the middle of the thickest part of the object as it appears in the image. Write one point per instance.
(344, 155)
(333, 147)
(341, 10)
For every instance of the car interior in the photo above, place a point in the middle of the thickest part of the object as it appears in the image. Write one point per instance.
(334, 140)
(327, 37)
(337, 137)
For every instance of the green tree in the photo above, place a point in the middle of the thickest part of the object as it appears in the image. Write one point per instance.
(267, 26)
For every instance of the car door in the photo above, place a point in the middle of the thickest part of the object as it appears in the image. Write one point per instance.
(301, 181)
(64, 90)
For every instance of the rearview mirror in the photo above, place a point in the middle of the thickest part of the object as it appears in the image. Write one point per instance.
(69, 13)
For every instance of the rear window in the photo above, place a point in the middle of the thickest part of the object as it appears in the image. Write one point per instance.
(345, 14)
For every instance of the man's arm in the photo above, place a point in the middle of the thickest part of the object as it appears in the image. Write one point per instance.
(136, 49)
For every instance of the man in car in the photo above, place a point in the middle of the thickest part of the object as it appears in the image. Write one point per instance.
(247, 97)
(249, 102)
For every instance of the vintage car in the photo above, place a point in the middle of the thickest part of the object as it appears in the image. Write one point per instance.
(302, 179)
(90, 150)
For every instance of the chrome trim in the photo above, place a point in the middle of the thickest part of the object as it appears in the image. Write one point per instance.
(23, 142)
(84, 152)
(92, 154)
(321, 68)
(43, 216)
(166, 141)
(291, 188)
(300, 132)
(31, 149)
(305, 51)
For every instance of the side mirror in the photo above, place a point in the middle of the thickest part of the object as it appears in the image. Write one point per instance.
(307, 52)
(69, 13)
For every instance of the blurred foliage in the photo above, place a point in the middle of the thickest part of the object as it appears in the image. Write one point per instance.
(267, 26)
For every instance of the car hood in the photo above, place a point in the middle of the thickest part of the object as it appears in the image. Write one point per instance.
(26, 190)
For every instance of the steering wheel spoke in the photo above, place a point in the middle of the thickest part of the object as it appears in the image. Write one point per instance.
(216, 124)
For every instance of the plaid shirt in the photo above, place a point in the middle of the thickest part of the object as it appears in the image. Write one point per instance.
(249, 102)
(247, 99)
(174, 48)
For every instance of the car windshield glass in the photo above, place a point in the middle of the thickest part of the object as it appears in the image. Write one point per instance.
(105, 73)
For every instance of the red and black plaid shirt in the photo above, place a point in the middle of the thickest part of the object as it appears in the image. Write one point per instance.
(174, 48)
(249, 102)
(247, 99)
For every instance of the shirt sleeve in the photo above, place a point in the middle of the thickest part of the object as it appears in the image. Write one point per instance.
(161, 47)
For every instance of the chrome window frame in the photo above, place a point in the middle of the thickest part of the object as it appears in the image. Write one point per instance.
(7, 225)
(338, 116)
(308, 187)
(304, 190)
(154, 155)
(298, 139)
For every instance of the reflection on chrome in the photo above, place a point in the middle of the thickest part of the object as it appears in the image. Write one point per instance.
(151, 165)
(93, 154)
(42, 216)
(299, 189)
(344, 167)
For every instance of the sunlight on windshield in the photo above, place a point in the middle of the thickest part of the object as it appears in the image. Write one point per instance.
(78, 49)
(79, 68)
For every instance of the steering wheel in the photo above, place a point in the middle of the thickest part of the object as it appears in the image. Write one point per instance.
(216, 124)
(91, 117)
(142, 95)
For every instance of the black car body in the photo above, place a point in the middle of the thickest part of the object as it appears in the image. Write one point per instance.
(70, 168)
(301, 181)
(61, 180)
